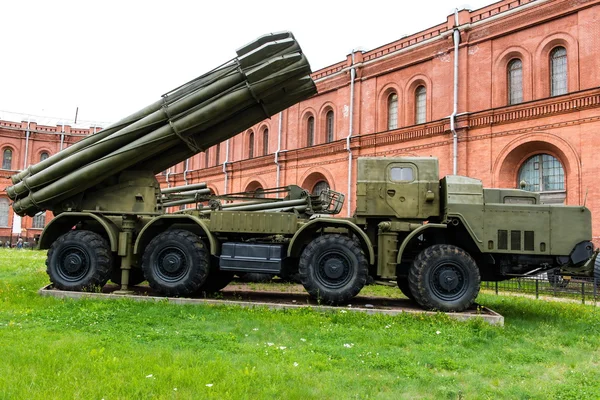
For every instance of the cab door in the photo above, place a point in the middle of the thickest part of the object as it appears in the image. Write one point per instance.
(402, 189)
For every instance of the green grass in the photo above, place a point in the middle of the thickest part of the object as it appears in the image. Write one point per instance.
(88, 349)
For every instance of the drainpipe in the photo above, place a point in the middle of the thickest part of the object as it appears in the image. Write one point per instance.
(278, 149)
(349, 191)
(62, 136)
(225, 166)
(185, 172)
(167, 177)
(26, 145)
(456, 37)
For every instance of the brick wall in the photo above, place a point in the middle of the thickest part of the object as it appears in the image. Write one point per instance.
(494, 138)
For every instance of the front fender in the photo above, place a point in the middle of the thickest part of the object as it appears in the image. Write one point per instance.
(150, 230)
(64, 222)
(414, 234)
(300, 236)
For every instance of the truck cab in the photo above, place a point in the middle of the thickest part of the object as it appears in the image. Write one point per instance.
(401, 188)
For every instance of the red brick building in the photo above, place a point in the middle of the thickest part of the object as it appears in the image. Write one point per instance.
(527, 109)
(23, 144)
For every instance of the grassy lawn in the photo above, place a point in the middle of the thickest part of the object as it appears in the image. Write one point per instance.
(88, 349)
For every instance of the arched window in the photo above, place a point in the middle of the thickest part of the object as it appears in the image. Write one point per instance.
(265, 142)
(319, 187)
(392, 105)
(44, 155)
(39, 220)
(251, 145)
(515, 81)
(4, 212)
(558, 71)
(420, 105)
(545, 174)
(7, 159)
(329, 126)
(310, 131)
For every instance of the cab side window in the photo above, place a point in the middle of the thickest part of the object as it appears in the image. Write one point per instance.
(401, 174)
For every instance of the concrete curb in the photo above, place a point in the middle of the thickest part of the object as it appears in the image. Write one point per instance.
(392, 307)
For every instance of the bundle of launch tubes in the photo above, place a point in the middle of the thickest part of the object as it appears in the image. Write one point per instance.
(268, 75)
(290, 198)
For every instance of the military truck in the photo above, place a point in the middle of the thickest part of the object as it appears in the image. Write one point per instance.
(437, 238)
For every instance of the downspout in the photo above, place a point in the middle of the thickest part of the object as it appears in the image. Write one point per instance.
(456, 37)
(167, 177)
(278, 150)
(62, 136)
(186, 170)
(225, 166)
(26, 146)
(349, 191)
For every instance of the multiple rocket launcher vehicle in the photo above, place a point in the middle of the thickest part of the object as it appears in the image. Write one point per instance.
(436, 238)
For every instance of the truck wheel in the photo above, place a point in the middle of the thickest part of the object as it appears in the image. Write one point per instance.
(176, 263)
(79, 260)
(333, 269)
(444, 277)
(405, 288)
(597, 271)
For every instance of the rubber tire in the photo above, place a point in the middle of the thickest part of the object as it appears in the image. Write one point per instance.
(91, 249)
(438, 259)
(597, 271)
(404, 287)
(185, 248)
(556, 280)
(333, 290)
(136, 276)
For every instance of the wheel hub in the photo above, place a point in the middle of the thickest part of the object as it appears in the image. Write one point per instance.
(448, 280)
(333, 268)
(73, 263)
(171, 263)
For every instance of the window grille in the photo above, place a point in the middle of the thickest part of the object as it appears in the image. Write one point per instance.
(7, 159)
(329, 119)
(393, 111)
(310, 131)
(558, 71)
(515, 82)
(420, 105)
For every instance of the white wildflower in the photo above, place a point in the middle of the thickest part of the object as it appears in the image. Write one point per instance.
(209, 385)
(282, 347)
(349, 345)
(302, 339)
(437, 332)
(175, 389)
(269, 344)
(388, 326)
(149, 376)
(255, 329)
(295, 364)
